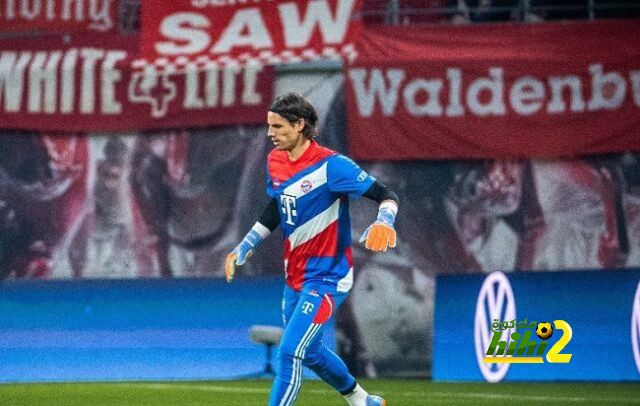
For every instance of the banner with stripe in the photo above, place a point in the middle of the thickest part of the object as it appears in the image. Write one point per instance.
(59, 16)
(490, 91)
(268, 31)
(99, 83)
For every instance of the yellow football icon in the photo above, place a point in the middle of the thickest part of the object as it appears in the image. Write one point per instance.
(544, 330)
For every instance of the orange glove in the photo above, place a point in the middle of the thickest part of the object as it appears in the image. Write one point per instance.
(232, 262)
(230, 266)
(381, 235)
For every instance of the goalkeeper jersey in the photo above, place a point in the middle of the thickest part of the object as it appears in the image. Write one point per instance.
(313, 197)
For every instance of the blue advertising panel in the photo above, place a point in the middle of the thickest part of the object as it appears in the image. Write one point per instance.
(600, 307)
(134, 329)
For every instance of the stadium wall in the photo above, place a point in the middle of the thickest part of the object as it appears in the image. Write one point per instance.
(105, 330)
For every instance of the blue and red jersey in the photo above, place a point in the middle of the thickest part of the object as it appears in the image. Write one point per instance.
(312, 193)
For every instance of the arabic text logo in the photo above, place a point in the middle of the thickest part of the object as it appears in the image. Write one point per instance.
(522, 349)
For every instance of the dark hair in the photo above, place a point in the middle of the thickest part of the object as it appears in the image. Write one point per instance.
(293, 107)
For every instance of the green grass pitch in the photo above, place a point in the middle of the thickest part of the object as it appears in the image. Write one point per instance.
(315, 393)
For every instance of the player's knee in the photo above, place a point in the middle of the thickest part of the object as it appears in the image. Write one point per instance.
(287, 351)
(313, 358)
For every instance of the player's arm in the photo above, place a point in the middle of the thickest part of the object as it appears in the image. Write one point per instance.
(381, 235)
(268, 221)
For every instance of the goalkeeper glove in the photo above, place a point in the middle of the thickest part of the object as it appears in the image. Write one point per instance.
(243, 251)
(380, 235)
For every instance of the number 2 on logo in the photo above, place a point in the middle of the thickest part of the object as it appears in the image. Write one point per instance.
(554, 353)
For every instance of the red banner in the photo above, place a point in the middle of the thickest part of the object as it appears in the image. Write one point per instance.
(100, 84)
(543, 90)
(267, 30)
(59, 15)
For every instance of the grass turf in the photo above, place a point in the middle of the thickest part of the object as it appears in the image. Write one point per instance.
(314, 393)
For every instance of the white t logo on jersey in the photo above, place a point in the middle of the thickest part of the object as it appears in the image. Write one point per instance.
(288, 208)
(307, 307)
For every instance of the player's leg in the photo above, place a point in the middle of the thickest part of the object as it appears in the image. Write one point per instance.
(324, 362)
(331, 368)
(299, 312)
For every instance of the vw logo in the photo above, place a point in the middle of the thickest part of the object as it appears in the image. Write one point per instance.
(495, 301)
(635, 328)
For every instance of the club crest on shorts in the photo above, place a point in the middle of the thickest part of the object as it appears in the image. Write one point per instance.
(307, 307)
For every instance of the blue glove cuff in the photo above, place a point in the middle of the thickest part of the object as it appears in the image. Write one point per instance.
(387, 213)
(252, 238)
(250, 241)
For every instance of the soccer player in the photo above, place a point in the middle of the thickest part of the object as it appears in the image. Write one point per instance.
(309, 186)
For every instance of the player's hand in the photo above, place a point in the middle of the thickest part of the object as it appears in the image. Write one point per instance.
(379, 236)
(241, 253)
(236, 258)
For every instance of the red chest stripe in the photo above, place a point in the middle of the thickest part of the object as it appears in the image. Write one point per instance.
(281, 168)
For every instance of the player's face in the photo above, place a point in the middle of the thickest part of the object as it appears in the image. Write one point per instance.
(284, 135)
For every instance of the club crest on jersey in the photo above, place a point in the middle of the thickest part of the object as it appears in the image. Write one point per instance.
(362, 176)
(306, 185)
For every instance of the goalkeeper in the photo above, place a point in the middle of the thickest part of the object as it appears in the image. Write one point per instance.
(310, 187)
